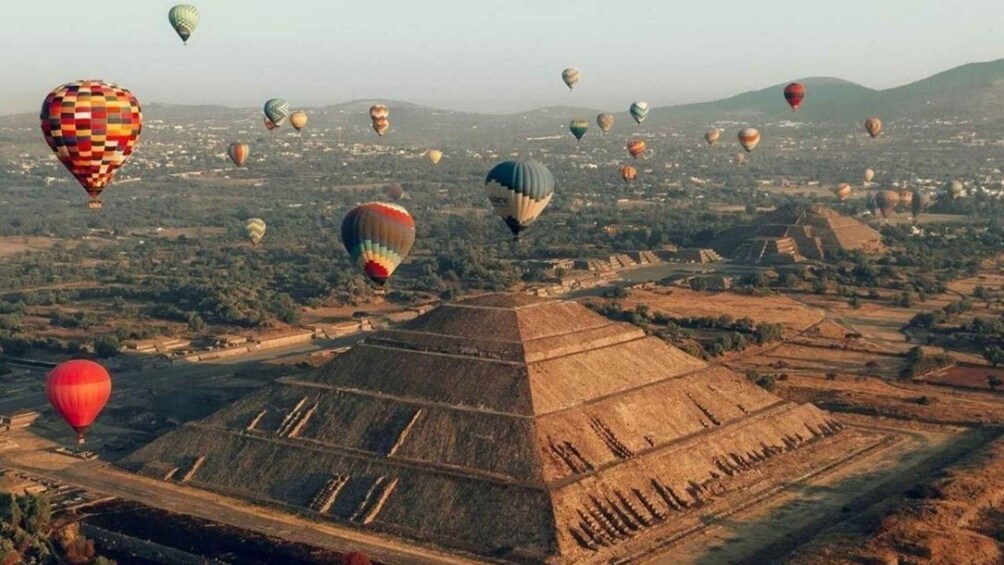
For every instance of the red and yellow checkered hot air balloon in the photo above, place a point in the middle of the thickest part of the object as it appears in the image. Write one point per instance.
(92, 126)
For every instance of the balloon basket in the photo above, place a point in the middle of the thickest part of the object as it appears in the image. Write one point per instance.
(94, 204)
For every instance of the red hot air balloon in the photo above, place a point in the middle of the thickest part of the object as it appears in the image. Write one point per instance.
(78, 390)
(794, 93)
(355, 558)
(636, 148)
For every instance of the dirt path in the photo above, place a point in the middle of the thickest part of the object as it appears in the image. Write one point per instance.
(770, 530)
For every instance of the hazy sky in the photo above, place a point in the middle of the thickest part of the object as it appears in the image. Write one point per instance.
(482, 55)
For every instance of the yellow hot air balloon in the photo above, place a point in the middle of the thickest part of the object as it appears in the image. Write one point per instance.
(434, 156)
(298, 119)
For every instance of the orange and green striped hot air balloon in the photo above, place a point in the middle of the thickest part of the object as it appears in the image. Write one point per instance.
(378, 236)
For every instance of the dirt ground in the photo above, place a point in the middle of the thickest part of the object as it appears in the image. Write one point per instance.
(14, 245)
(682, 302)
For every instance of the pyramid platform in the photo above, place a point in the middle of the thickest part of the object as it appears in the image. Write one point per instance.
(793, 234)
(503, 425)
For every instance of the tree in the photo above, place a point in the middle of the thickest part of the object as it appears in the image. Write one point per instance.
(10, 511)
(106, 346)
(993, 381)
(37, 513)
(994, 355)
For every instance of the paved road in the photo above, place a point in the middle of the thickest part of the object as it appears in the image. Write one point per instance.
(36, 458)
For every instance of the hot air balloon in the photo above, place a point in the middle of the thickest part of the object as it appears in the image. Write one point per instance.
(794, 93)
(873, 126)
(298, 120)
(381, 125)
(605, 121)
(842, 191)
(355, 558)
(886, 201)
(395, 192)
(921, 201)
(379, 111)
(78, 390)
(956, 190)
(578, 128)
(639, 111)
(628, 173)
(519, 191)
(93, 127)
(277, 110)
(749, 138)
(378, 236)
(712, 136)
(739, 158)
(869, 175)
(238, 153)
(906, 198)
(636, 148)
(570, 76)
(871, 203)
(434, 156)
(184, 18)
(255, 230)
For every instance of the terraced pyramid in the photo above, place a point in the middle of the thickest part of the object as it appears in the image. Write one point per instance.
(503, 425)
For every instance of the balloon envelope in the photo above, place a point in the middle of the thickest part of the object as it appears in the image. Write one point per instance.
(794, 93)
(886, 201)
(749, 138)
(842, 191)
(570, 76)
(78, 390)
(277, 110)
(605, 121)
(739, 158)
(519, 191)
(378, 236)
(578, 128)
(628, 173)
(92, 126)
(255, 230)
(639, 111)
(381, 125)
(636, 148)
(184, 18)
(434, 156)
(238, 153)
(873, 126)
(378, 111)
(869, 175)
(298, 120)
(712, 136)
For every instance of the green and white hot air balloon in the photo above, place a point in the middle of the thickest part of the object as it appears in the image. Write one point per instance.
(184, 19)
(639, 111)
(578, 128)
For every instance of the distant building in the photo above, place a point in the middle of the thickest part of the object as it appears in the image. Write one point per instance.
(229, 340)
(17, 420)
(156, 345)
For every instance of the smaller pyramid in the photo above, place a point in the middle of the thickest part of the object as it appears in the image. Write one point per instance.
(793, 234)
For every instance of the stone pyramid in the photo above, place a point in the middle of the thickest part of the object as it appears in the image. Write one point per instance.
(503, 425)
(794, 233)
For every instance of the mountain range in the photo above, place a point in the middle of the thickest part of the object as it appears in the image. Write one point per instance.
(973, 91)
